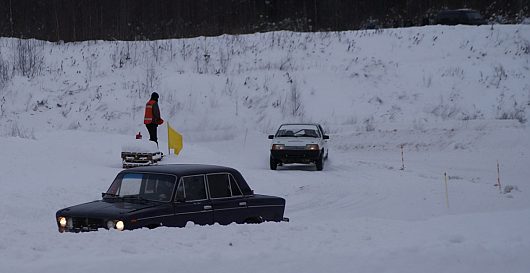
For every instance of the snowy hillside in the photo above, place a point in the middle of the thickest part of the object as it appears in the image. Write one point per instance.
(394, 78)
(456, 98)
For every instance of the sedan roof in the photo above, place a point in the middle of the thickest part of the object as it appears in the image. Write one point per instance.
(181, 169)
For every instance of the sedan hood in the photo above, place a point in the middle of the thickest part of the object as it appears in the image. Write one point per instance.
(103, 209)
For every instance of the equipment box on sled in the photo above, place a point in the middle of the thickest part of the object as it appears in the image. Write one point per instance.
(140, 153)
(135, 159)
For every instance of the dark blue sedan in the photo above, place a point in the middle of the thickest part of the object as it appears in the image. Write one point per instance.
(173, 195)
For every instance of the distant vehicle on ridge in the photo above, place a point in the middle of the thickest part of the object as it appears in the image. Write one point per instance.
(459, 17)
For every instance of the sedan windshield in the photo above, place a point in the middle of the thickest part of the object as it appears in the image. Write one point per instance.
(141, 186)
(298, 130)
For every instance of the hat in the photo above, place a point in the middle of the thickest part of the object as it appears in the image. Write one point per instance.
(154, 96)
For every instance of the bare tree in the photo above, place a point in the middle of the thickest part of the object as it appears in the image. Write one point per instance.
(28, 57)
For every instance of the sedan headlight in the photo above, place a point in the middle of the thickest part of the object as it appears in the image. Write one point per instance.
(115, 224)
(120, 225)
(62, 221)
(312, 147)
(278, 147)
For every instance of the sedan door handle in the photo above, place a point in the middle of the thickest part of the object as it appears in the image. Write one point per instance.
(207, 207)
(242, 203)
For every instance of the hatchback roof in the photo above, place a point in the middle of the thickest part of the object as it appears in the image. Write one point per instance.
(315, 124)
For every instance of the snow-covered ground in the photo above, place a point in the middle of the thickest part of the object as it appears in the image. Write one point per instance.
(457, 98)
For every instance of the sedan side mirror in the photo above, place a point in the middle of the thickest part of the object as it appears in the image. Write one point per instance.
(325, 137)
(271, 136)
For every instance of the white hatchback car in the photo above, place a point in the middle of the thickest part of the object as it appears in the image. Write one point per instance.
(299, 143)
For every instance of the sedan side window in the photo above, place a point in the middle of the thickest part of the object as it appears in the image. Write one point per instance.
(236, 191)
(194, 188)
(157, 187)
(180, 192)
(219, 185)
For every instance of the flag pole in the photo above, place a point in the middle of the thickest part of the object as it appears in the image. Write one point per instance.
(446, 191)
(402, 159)
(499, 177)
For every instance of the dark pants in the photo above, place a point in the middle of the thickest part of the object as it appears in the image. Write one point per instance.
(152, 128)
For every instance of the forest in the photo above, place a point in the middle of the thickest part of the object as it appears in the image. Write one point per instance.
(80, 20)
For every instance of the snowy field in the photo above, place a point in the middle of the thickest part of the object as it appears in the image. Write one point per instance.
(457, 98)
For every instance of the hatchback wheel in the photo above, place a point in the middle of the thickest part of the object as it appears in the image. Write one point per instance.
(320, 163)
(273, 163)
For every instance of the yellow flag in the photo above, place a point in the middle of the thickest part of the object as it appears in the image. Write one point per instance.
(174, 139)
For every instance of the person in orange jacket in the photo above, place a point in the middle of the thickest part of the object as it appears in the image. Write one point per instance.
(152, 117)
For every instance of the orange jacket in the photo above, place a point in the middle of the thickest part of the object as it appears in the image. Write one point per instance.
(152, 113)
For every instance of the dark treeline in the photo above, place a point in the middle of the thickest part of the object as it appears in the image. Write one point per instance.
(77, 20)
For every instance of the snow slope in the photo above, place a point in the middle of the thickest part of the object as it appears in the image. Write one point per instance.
(400, 78)
(457, 98)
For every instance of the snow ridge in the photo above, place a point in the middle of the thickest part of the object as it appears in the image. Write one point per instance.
(361, 80)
